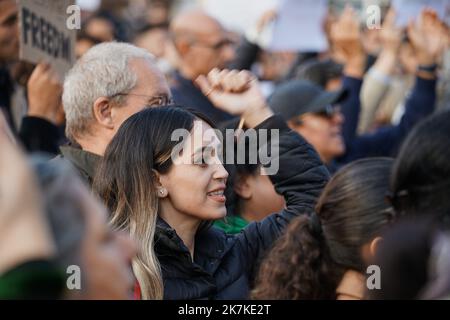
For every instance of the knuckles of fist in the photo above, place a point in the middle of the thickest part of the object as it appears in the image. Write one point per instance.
(227, 81)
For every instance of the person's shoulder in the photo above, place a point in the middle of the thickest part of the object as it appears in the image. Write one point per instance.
(177, 82)
(60, 158)
(179, 92)
(69, 159)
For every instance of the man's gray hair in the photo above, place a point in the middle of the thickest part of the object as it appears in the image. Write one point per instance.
(103, 71)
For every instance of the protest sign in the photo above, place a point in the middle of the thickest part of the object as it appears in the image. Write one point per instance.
(238, 15)
(44, 33)
(410, 9)
(299, 26)
(89, 5)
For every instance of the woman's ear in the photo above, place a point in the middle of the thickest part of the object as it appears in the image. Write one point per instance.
(374, 245)
(370, 249)
(242, 187)
(102, 112)
(161, 191)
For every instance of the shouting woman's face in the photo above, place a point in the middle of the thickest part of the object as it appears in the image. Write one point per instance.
(195, 184)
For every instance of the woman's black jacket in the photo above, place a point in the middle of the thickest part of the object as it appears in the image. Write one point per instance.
(223, 264)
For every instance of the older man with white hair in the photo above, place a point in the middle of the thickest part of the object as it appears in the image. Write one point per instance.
(111, 82)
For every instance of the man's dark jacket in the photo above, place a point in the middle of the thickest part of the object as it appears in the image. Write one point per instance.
(186, 94)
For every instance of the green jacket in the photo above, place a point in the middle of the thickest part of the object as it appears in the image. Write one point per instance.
(85, 163)
(231, 224)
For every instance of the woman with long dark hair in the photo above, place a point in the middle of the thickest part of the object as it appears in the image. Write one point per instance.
(325, 256)
(420, 180)
(166, 202)
(414, 258)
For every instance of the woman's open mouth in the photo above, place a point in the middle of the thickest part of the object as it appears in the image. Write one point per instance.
(217, 195)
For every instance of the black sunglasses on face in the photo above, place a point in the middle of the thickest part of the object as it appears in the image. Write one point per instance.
(329, 111)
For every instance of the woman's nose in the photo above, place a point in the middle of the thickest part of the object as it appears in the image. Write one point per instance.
(338, 118)
(221, 172)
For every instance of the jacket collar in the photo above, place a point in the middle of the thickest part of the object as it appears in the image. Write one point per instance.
(83, 160)
(179, 78)
(211, 244)
(167, 238)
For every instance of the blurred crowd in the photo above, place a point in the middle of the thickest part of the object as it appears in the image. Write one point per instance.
(93, 204)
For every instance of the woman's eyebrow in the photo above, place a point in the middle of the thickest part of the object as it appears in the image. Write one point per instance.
(200, 150)
(210, 145)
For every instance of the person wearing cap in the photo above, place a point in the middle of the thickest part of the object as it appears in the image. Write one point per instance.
(327, 74)
(316, 115)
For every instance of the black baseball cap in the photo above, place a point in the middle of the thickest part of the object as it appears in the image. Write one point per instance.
(319, 72)
(297, 97)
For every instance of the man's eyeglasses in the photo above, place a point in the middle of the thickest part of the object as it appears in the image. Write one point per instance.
(162, 100)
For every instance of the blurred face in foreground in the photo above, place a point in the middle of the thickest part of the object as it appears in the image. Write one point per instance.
(9, 31)
(195, 183)
(105, 255)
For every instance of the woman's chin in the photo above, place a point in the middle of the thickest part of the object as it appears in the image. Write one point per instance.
(218, 214)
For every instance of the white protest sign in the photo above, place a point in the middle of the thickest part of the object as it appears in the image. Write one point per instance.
(407, 9)
(89, 5)
(44, 33)
(238, 15)
(299, 26)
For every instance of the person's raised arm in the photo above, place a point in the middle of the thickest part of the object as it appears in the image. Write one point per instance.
(39, 131)
(426, 36)
(294, 167)
(238, 93)
(346, 41)
(378, 79)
